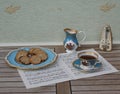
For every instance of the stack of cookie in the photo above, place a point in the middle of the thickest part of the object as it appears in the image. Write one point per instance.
(33, 56)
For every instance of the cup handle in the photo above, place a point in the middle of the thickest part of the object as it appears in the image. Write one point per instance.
(83, 32)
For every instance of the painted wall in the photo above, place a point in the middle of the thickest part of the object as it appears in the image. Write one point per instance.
(43, 21)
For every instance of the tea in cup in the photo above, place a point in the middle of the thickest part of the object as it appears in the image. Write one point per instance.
(88, 60)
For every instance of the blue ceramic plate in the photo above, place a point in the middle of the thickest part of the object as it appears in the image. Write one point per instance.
(10, 58)
(95, 66)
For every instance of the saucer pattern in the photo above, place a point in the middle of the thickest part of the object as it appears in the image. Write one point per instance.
(94, 67)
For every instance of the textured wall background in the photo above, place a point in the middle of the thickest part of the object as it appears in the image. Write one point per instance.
(43, 21)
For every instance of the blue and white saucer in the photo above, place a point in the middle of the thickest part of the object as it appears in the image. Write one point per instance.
(94, 66)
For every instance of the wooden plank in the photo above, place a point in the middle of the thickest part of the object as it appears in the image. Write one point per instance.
(18, 84)
(3, 54)
(12, 74)
(96, 87)
(10, 79)
(63, 88)
(96, 92)
(11, 84)
(9, 70)
(110, 55)
(96, 46)
(23, 89)
(95, 82)
(42, 92)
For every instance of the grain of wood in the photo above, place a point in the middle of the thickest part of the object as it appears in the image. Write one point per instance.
(97, 92)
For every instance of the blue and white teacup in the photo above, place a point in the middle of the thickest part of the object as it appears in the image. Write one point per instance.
(88, 60)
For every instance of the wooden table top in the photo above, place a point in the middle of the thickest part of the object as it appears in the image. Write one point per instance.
(11, 82)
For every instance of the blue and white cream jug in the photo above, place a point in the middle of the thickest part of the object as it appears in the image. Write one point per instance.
(71, 42)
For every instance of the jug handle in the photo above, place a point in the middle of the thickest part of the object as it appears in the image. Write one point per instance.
(83, 32)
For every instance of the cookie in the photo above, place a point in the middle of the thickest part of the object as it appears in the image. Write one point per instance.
(31, 50)
(20, 54)
(33, 56)
(43, 56)
(35, 59)
(35, 51)
(25, 60)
